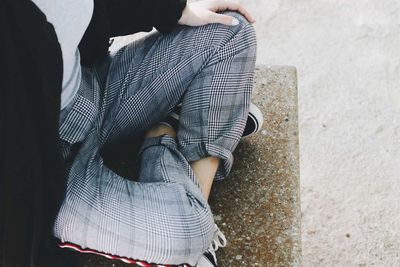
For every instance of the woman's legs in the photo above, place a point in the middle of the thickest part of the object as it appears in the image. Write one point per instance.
(208, 69)
(207, 131)
(204, 169)
(163, 218)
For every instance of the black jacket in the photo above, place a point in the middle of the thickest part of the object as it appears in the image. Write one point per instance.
(122, 17)
(32, 183)
(32, 176)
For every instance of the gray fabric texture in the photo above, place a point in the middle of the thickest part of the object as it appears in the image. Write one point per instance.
(163, 218)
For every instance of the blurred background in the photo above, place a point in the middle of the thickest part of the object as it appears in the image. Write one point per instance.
(347, 54)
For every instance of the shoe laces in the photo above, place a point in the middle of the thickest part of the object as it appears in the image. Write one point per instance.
(219, 240)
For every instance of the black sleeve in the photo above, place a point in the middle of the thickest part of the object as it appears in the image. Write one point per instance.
(130, 16)
(122, 17)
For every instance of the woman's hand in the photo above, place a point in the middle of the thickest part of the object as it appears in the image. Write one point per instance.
(205, 12)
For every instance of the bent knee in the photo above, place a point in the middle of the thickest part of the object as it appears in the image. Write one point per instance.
(244, 25)
(240, 38)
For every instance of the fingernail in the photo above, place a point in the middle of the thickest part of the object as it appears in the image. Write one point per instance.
(235, 22)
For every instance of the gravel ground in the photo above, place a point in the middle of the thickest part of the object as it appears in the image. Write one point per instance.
(347, 55)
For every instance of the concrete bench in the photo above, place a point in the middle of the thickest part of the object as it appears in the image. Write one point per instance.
(258, 206)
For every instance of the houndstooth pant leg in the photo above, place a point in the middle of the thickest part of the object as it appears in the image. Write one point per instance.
(209, 69)
(163, 218)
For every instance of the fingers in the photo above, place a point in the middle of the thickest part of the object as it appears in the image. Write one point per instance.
(223, 19)
(227, 5)
(207, 11)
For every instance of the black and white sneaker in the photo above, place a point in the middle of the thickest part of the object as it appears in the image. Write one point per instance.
(254, 121)
(253, 125)
(209, 258)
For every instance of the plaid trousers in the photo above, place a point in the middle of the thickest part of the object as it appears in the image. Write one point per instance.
(162, 218)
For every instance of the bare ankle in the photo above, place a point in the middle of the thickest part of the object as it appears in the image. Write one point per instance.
(205, 170)
(160, 130)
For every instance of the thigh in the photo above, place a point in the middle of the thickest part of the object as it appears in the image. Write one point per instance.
(149, 76)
